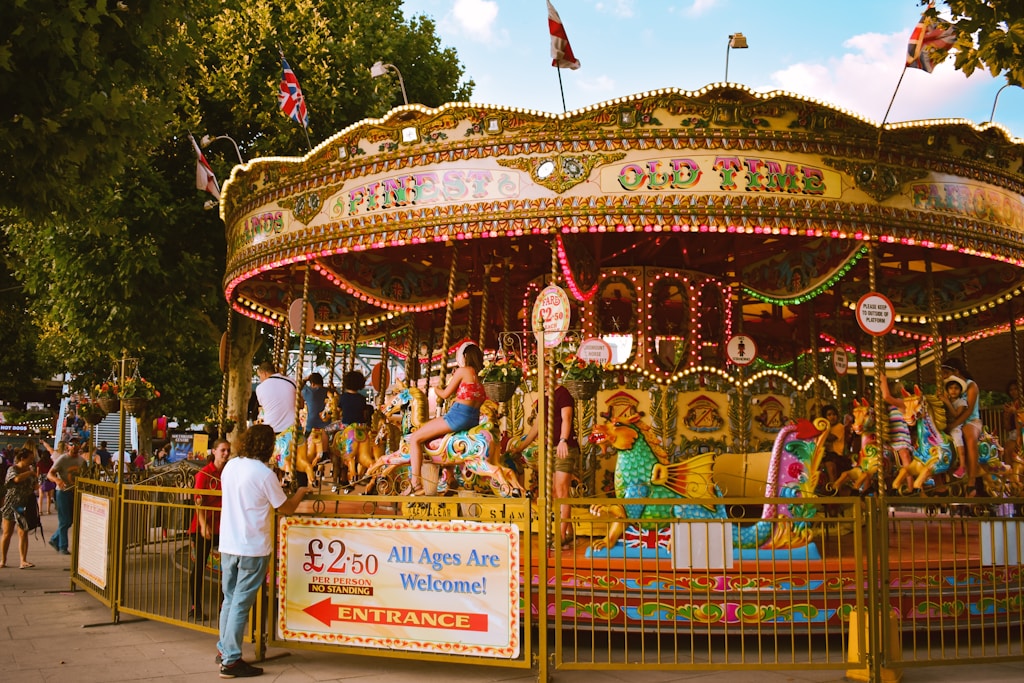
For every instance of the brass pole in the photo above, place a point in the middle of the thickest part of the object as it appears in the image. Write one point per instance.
(449, 312)
(225, 380)
(481, 337)
(933, 319)
(293, 449)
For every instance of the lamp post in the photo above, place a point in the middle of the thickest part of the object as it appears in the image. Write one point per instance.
(380, 68)
(996, 101)
(737, 41)
(208, 139)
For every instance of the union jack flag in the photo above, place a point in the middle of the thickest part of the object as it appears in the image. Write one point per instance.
(929, 42)
(636, 537)
(205, 179)
(561, 51)
(290, 95)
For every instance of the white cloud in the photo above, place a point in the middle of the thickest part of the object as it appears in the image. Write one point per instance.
(700, 7)
(619, 8)
(601, 85)
(475, 19)
(864, 77)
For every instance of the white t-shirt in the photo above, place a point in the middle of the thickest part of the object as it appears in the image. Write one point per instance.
(276, 395)
(249, 493)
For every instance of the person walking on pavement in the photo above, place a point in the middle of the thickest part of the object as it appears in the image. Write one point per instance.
(19, 492)
(250, 494)
(64, 473)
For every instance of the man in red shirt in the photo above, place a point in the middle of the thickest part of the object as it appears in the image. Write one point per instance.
(206, 524)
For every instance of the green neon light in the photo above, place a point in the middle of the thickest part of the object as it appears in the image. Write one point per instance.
(807, 296)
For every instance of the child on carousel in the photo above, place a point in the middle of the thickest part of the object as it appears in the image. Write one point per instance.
(463, 414)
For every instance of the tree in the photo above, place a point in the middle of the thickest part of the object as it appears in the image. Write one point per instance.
(86, 87)
(104, 223)
(990, 35)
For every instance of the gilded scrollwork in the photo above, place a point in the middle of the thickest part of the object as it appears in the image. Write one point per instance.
(561, 172)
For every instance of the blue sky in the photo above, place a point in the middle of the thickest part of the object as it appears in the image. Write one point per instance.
(849, 54)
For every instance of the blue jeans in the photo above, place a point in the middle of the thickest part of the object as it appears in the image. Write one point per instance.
(241, 577)
(65, 518)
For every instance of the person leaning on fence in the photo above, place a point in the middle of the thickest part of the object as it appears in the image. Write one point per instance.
(64, 473)
(19, 504)
(250, 493)
(205, 528)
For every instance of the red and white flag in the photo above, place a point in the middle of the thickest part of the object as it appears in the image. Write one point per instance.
(561, 51)
(205, 180)
(929, 42)
(289, 95)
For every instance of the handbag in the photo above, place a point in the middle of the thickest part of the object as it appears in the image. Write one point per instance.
(26, 516)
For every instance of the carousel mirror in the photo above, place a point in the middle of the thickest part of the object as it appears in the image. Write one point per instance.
(617, 317)
(670, 324)
(711, 305)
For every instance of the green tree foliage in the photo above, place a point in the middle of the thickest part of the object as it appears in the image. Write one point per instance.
(990, 36)
(87, 85)
(105, 228)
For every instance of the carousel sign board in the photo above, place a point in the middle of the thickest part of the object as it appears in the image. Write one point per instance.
(876, 314)
(429, 586)
(595, 350)
(741, 349)
(551, 314)
(840, 360)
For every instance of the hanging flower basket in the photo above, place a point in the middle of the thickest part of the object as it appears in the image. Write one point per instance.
(499, 392)
(110, 405)
(93, 414)
(581, 390)
(135, 405)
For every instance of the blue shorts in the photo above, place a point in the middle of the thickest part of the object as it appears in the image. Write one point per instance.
(461, 417)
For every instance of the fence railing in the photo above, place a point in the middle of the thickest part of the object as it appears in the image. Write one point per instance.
(862, 584)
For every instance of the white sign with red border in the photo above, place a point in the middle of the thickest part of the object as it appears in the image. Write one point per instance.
(741, 349)
(875, 314)
(840, 360)
(429, 586)
(594, 350)
(551, 313)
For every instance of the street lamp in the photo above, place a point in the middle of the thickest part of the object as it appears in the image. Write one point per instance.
(207, 140)
(380, 68)
(996, 101)
(738, 41)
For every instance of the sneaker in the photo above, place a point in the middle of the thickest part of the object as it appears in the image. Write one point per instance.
(53, 544)
(65, 552)
(239, 669)
(219, 658)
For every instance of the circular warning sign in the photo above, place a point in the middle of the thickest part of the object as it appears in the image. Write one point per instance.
(595, 350)
(875, 314)
(741, 349)
(840, 361)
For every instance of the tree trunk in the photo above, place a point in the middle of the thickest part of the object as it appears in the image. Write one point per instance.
(244, 343)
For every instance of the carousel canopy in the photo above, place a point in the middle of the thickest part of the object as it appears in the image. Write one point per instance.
(673, 218)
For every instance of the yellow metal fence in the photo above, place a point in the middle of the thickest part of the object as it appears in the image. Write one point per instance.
(946, 572)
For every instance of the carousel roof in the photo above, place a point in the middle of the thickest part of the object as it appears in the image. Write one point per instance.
(772, 200)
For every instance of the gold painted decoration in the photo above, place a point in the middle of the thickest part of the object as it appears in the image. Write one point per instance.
(703, 415)
(561, 172)
(880, 181)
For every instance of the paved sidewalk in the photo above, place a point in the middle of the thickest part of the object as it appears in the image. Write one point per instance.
(49, 633)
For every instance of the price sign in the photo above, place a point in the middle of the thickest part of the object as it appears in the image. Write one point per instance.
(551, 313)
(741, 349)
(840, 361)
(595, 350)
(875, 314)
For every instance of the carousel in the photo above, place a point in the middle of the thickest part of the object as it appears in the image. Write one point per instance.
(721, 249)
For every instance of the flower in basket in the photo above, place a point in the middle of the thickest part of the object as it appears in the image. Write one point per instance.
(105, 390)
(578, 370)
(502, 370)
(138, 387)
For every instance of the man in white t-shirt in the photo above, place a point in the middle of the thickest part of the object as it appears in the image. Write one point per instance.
(276, 394)
(250, 492)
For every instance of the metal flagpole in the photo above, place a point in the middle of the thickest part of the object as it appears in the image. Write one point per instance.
(561, 89)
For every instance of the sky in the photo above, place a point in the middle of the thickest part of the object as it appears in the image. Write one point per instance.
(849, 54)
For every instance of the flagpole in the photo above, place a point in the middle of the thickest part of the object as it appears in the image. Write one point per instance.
(565, 110)
(889, 108)
(306, 131)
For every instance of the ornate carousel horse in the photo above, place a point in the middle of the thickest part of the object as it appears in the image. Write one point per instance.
(471, 451)
(995, 474)
(932, 452)
(869, 461)
(643, 470)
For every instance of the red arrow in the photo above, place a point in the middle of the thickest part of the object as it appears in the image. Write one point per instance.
(324, 611)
